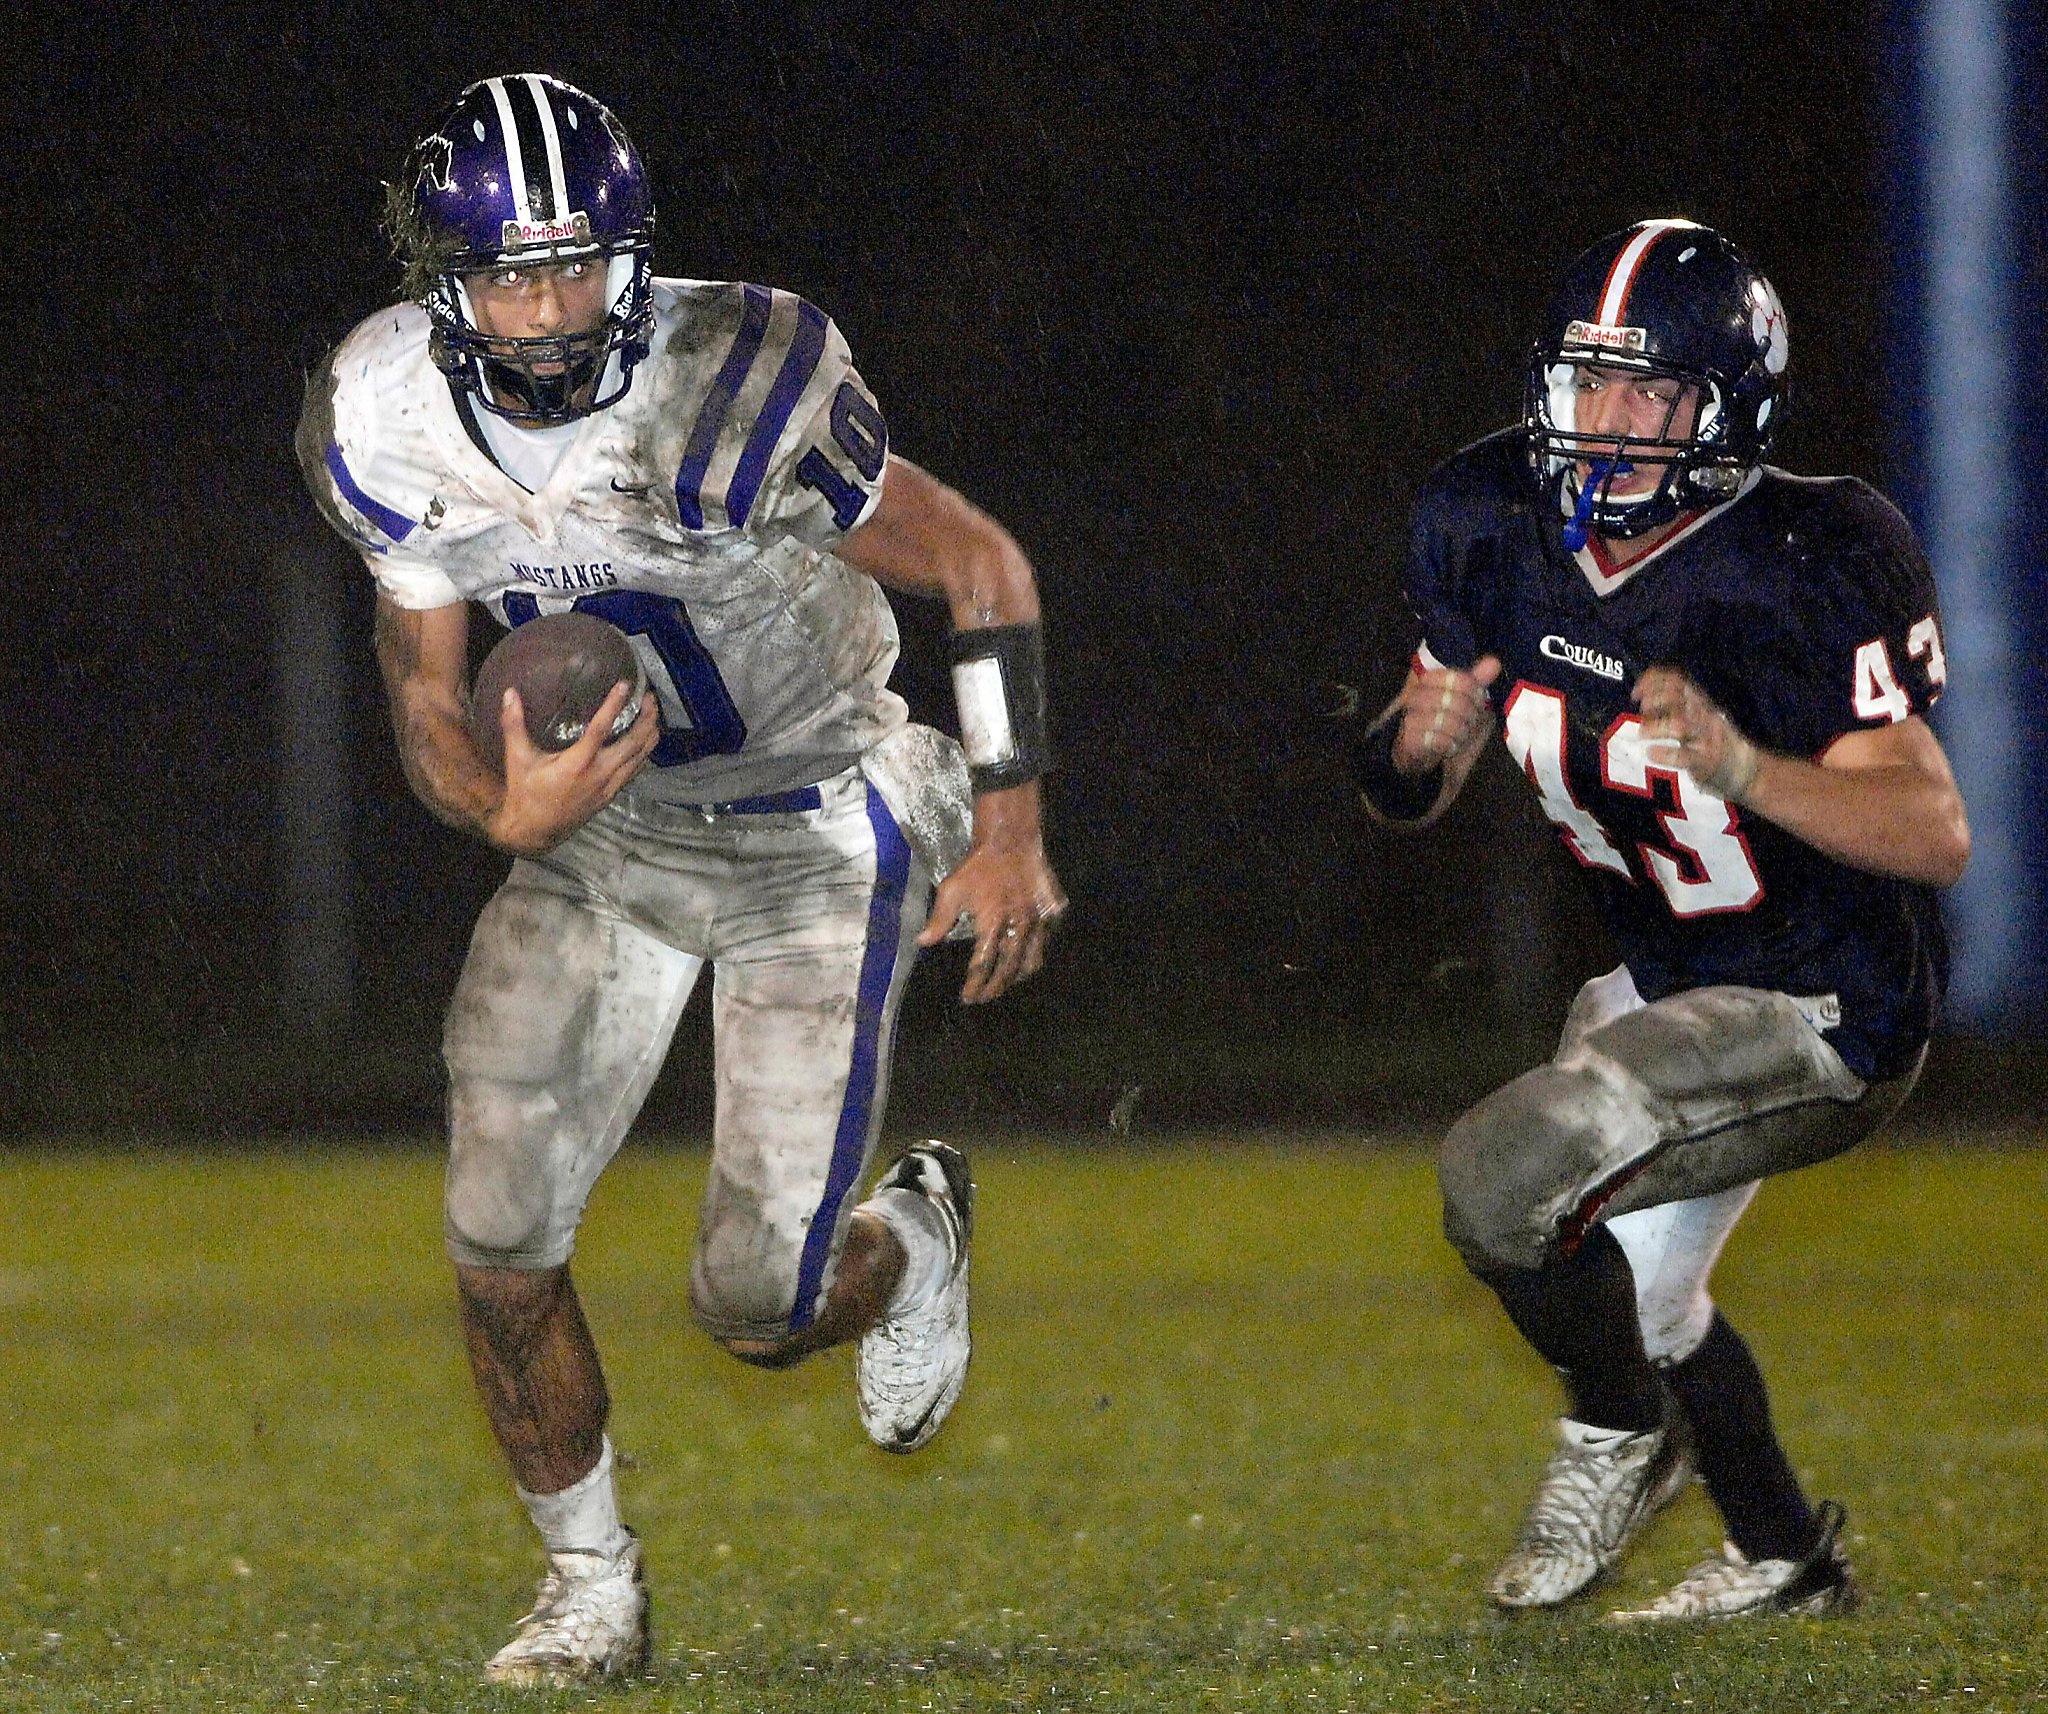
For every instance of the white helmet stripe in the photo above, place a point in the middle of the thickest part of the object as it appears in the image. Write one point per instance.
(1614, 297)
(558, 180)
(515, 164)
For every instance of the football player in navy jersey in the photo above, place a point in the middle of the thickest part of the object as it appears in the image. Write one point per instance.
(1714, 675)
(542, 427)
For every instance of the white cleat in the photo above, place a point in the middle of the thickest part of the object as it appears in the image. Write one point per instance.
(1730, 1587)
(1601, 1487)
(909, 1367)
(589, 1622)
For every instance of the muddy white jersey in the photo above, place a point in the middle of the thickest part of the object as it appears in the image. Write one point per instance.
(697, 514)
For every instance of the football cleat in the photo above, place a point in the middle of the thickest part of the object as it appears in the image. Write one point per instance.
(1729, 1586)
(909, 1367)
(589, 1622)
(1601, 1487)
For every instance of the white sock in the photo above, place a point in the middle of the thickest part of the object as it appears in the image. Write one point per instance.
(921, 1230)
(583, 1517)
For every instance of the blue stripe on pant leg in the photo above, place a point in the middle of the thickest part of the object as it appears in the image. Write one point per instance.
(871, 1005)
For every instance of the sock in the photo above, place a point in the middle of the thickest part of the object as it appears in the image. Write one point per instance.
(1744, 1468)
(927, 1252)
(1579, 1312)
(583, 1517)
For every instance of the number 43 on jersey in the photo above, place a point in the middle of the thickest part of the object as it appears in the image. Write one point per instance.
(1706, 867)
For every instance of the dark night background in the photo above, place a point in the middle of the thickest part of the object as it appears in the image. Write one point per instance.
(1191, 301)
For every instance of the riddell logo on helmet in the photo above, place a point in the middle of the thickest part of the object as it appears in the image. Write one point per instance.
(518, 233)
(1605, 337)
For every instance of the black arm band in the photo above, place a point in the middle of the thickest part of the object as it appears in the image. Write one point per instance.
(999, 683)
(1397, 796)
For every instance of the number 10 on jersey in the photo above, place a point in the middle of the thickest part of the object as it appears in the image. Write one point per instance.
(698, 715)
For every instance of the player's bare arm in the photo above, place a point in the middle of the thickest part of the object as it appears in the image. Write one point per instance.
(1880, 799)
(543, 797)
(926, 539)
(1438, 724)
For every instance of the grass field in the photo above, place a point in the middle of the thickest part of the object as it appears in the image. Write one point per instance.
(1240, 1435)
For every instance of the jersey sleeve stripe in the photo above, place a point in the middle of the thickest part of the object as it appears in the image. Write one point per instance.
(746, 346)
(805, 348)
(396, 525)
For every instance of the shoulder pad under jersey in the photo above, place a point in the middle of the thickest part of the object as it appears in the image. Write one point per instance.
(777, 434)
(1465, 503)
(351, 440)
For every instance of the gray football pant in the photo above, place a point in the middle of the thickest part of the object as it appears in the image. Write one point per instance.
(577, 974)
(1657, 1120)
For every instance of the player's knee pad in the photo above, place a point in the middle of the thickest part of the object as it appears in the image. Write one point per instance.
(501, 1202)
(1519, 1168)
(743, 1294)
(1479, 1173)
(768, 1247)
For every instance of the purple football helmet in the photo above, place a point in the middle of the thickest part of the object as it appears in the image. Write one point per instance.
(525, 171)
(1666, 297)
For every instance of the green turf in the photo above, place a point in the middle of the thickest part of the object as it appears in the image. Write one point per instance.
(1239, 1436)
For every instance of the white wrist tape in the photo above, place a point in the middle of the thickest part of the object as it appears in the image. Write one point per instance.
(985, 730)
(999, 683)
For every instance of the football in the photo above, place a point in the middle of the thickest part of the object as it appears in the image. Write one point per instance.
(563, 665)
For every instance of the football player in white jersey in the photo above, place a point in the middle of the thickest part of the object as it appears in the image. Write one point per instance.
(544, 426)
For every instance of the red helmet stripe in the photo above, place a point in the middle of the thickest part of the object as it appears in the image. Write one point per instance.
(1622, 276)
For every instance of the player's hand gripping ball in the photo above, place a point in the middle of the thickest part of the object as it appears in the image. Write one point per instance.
(563, 665)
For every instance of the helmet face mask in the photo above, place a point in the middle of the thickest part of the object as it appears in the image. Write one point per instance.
(522, 173)
(1693, 469)
(1671, 299)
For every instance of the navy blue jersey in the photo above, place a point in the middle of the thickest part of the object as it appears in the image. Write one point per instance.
(1806, 609)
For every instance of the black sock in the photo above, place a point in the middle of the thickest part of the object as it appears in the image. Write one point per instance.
(1737, 1450)
(1580, 1313)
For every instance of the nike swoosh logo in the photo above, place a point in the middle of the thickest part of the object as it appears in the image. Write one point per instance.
(906, 1437)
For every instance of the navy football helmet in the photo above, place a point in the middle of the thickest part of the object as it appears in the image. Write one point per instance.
(1666, 297)
(527, 171)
